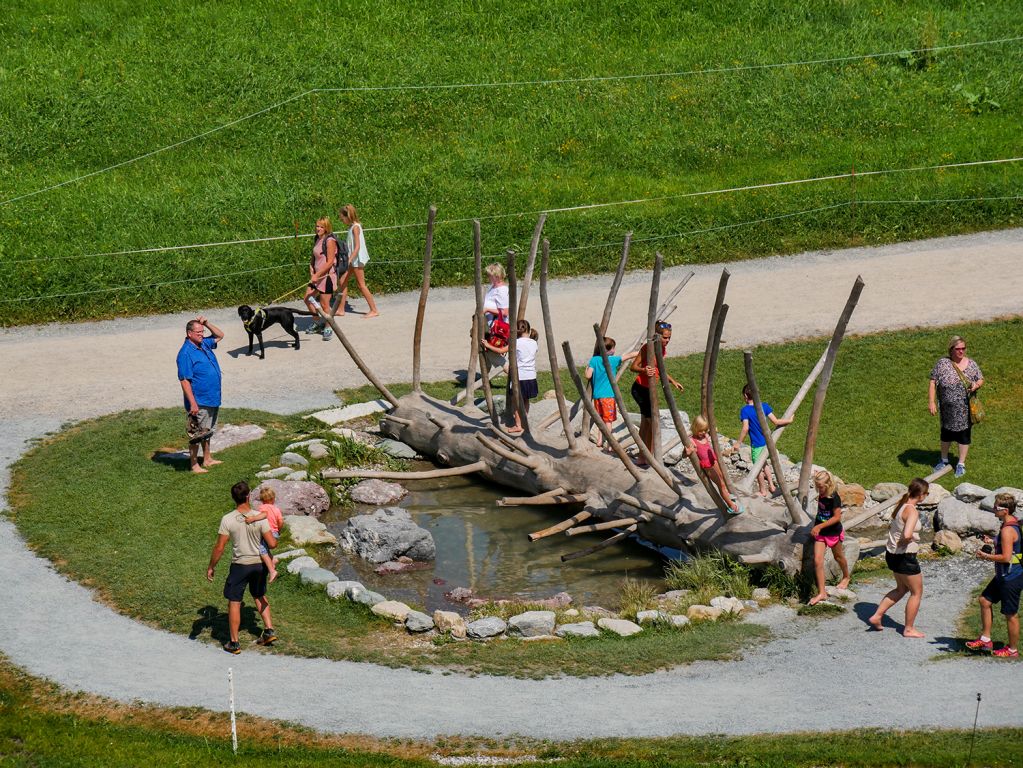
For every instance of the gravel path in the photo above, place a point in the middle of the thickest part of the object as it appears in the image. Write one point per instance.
(817, 675)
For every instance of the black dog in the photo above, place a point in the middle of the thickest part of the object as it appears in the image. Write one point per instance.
(258, 320)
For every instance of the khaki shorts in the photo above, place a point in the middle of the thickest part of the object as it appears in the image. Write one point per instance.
(200, 427)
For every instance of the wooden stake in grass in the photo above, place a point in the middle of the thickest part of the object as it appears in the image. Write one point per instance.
(230, 696)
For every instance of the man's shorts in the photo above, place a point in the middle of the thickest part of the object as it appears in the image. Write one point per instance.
(1005, 592)
(607, 409)
(241, 576)
(642, 397)
(905, 563)
(200, 426)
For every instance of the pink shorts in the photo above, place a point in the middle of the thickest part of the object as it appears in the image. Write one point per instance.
(831, 541)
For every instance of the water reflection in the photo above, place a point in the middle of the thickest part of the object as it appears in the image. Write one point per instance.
(483, 546)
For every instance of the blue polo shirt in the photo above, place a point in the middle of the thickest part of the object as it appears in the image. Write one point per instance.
(199, 365)
(756, 435)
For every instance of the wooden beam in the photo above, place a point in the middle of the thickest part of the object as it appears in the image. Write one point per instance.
(359, 362)
(651, 320)
(527, 275)
(647, 506)
(477, 253)
(607, 525)
(562, 526)
(424, 292)
(530, 462)
(552, 350)
(429, 474)
(602, 545)
(514, 403)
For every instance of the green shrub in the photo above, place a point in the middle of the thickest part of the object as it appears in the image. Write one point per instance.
(709, 575)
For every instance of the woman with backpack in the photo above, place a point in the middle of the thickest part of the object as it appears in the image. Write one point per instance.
(358, 258)
(322, 276)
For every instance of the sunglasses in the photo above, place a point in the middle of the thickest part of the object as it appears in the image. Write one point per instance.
(664, 326)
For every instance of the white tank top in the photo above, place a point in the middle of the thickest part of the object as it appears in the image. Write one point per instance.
(895, 530)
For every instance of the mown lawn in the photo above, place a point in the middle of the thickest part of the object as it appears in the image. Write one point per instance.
(84, 86)
(41, 726)
(147, 517)
(876, 426)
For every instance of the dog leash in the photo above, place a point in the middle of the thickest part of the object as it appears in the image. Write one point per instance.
(293, 290)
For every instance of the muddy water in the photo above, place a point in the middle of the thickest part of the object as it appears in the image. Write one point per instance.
(484, 547)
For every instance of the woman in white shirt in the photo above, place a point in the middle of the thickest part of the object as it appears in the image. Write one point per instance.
(358, 258)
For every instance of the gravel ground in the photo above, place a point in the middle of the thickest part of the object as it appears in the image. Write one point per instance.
(816, 675)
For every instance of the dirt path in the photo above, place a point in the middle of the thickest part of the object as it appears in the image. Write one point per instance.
(57, 630)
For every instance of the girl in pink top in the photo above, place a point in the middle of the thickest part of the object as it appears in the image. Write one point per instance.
(272, 514)
(704, 450)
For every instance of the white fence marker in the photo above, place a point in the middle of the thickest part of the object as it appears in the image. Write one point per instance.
(234, 728)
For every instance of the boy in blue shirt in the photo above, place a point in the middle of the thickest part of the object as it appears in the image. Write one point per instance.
(603, 395)
(751, 427)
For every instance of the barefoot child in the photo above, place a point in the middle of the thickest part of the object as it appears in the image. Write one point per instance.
(1006, 586)
(704, 450)
(757, 442)
(525, 357)
(603, 395)
(827, 533)
(272, 514)
(900, 555)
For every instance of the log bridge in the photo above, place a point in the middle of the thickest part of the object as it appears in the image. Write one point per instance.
(555, 463)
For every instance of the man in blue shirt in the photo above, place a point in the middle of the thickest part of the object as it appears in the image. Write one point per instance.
(200, 377)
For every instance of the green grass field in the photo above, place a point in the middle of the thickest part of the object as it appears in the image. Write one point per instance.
(84, 86)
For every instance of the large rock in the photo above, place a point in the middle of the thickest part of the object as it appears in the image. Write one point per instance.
(317, 576)
(934, 496)
(949, 540)
(377, 492)
(579, 629)
(391, 609)
(230, 435)
(294, 497)
(364, 596)
(852, 494)
(418, 622)
(308, 530)
(450, 622)
(703, 613)
(334, 416)
(620, 627)
(678, 621)
(970, 493)
(885, 491)
(964, 519)
(488, 626)
(988, 502)
(727, 604)
(301, 563)
(293, 459)
(531, 624)
(338, 589)
(387, 534)
(397, 449)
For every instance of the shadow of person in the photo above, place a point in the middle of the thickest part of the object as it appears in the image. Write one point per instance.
(920, 457)
(214, 620)
(864, 611)
(179, 461)
(949, 644)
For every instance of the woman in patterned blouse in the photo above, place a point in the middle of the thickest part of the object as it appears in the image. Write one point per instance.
(949, 395)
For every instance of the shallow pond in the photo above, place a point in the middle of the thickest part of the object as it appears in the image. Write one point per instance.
(484, 547)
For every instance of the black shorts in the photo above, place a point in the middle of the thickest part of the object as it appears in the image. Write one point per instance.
(960, 437)
(1005, 592)
(905, 564)
(642, 397)
(528, 389)
(241, 576)
(328, 287)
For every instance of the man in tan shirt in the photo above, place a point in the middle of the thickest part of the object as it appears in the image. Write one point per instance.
(247, 568)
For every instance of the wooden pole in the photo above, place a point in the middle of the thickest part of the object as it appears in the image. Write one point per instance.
(359, 362)
(562, 526)
(651, 321)
(602, 545)
(587, 401)
(605, 525)
(429, 474)
(822, 390)
(469, 393)
(552, 351)
(646, 506)
(712, 423)
(477, 253)
(544, 500)
(424, 292)
(527, 275)
(708, 354)
(514, 402)
(795, 511)
(662, 311)
(888, 504)
(517, 501)
(526, 461)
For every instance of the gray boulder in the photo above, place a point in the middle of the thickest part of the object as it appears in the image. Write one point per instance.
(579, 629)
(338, 589)
(230, 435)
(294, 497)
(364, 596)
(299, 474)
(531, 624)
(376, 492)
(964, 519)
(488, 626)
(935, 495)
(316, 576)
(397, 449)
(620, 627)
(885, 491)
(301, 564)
(304, 443)
(334, 416)
(988, 502)
(970, 493)
(387, 534)
(281, 556)
(293, 459)
(318, 451)
(418, 622)
(273, 474)
(308, 530)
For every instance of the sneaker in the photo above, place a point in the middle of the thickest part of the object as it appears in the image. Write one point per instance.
(233, 647)
(960, 470)
(979, 645)
(327, 334)
(937, 467)
(314, 329)
(1006, 653)
(269, 637)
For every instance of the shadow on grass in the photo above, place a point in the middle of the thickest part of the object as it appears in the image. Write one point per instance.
(919, 457)
(179, 461)
(214, 620)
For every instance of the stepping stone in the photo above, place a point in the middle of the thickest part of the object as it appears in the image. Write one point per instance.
(338, 589)
(293, 459)
(334, 416)
(531, 624)
(397, 449)
(391, 609)
(620, 627)
(300, 564)
(418, 622)
(275, 474)
(281, 557)
(489, 626)
(317, 576)
(304, 443)
(579, 629)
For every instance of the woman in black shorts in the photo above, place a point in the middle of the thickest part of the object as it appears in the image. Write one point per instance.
(954, 380)
(644, 366)
(900, 554)
(322, 275)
